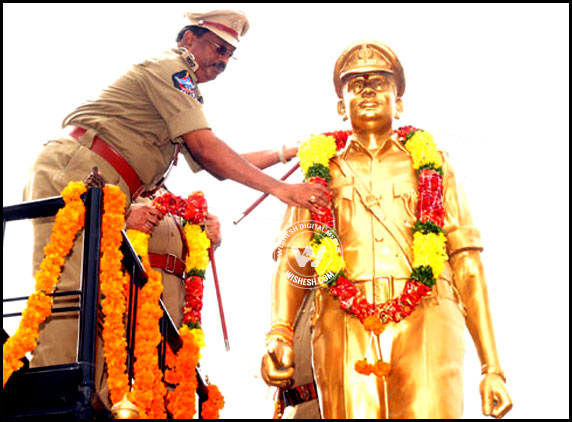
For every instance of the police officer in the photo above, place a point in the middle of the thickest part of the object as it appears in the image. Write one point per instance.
(133, 133)
(167, 248)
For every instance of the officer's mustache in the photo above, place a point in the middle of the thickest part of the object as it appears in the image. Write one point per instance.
(220, 65)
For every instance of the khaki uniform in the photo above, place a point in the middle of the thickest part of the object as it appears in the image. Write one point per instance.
(142, 116)
(167, 239)
(428, 346)
(303, 373)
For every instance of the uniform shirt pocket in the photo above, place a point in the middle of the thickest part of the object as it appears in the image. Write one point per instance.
(405, 198)
(345, 206)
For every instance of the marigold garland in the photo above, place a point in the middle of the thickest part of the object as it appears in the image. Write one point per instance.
(148, 389)
(429, 251)
(214, 404)
(68, 222)
(182, 400)
(113, 285)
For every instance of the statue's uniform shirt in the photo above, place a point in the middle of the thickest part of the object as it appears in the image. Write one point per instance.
(428, 346)
(142, 116)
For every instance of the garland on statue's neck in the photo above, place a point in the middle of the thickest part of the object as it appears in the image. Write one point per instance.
(429, 253)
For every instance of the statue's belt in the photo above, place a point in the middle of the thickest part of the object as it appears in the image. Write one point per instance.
(300, 394)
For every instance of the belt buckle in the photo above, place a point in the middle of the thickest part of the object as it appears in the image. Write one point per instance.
(371, 200)
(171, 270)
(304, 393)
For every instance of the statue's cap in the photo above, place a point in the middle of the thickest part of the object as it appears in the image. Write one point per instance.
(229, 25)
(365, 57)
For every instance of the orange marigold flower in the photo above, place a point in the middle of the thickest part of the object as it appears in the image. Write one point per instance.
(373, 323)
(363, 367)
(214, 404)
(381, 369)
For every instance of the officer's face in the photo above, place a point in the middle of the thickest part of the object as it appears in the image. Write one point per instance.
(370, 98)
(212, 55)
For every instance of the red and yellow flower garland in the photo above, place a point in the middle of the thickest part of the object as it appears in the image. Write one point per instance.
(429, 254)
(181, 401)
(68, 222)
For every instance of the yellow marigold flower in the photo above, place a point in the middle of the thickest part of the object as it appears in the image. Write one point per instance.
(199, 243)
(316, 150)
(423, 150)
(327, 256)
(429, 249)
(199, 338)
(140, 242)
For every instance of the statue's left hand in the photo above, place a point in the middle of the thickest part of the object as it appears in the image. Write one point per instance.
(494, 395)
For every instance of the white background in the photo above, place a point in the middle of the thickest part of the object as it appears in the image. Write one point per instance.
(490, 82)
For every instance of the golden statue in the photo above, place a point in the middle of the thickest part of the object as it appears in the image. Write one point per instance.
(375, 199)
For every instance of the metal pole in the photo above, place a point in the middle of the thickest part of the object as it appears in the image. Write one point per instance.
(89, 295)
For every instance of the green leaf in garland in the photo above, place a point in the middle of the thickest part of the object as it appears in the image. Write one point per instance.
(334, 280)
(320, 235)
(424, 274)
(198, 273)
(410, 134)
(427, 227)
(192, 325)
(430, 166)
(318, 170)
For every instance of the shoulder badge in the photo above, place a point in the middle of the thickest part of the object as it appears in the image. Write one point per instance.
(183, 82)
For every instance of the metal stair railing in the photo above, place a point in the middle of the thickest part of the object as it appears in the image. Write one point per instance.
(68, 391)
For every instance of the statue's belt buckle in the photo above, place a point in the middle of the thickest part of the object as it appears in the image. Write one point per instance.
(371, 200)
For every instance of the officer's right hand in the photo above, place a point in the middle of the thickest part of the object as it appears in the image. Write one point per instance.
(277, 367)
(307, 195)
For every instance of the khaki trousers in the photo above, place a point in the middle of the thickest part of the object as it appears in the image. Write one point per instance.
(303, 361)
(426, 358)
(60, 162)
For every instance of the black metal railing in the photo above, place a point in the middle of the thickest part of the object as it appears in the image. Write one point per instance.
(68, 391)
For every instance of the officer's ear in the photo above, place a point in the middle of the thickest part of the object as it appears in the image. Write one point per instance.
(187, 40)
(398, 108)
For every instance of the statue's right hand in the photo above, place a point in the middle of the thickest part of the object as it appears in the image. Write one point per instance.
(277, 367)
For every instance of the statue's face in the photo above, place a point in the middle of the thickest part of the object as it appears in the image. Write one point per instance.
(370, 97)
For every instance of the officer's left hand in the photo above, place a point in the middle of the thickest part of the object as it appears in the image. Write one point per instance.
(212, 227)
(494, 395)
(143, 218)
(290, 151)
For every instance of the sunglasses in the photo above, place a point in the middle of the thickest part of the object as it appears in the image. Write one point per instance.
(221, 50)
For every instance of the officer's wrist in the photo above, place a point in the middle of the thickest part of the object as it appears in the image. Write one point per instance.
(280, 331)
